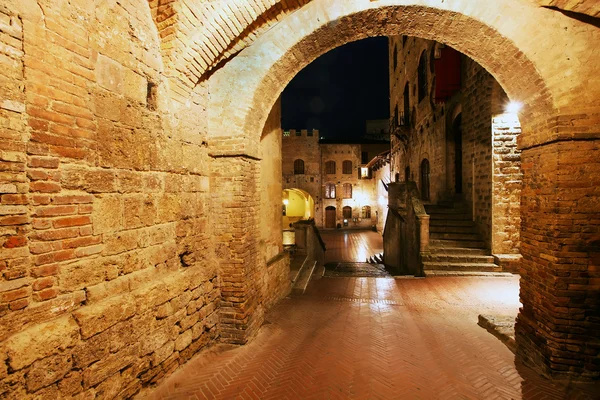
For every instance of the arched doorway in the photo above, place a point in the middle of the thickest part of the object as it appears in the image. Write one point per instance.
(298, 205)
(279, 54)
(330, 217)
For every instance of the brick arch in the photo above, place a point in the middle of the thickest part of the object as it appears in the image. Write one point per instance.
(263, 70)
(197, 36)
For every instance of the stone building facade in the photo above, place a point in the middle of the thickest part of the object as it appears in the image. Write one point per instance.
(335, 175)
(135, 146)
(453, 137)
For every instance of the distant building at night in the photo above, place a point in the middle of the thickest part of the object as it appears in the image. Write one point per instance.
(334, 177)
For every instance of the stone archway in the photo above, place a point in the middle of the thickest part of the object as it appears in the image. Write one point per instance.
(534, 75)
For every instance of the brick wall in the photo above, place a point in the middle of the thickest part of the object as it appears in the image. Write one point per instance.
(557, 328)
(108, 277)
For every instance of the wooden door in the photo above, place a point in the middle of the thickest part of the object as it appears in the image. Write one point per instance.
(330, 217)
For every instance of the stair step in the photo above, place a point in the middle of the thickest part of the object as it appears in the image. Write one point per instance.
(458, 250)
(305, 275)
(459, 258)
(431, 273)
(452, 229)
(451, 222)
(452, 266)
(446, 210)
(471, 244)
(446, 217)
(455, 236)
(296, 264)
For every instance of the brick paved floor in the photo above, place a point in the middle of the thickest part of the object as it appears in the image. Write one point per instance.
(373, 338)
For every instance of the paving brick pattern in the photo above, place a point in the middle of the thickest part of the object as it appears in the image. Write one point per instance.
(373, 338)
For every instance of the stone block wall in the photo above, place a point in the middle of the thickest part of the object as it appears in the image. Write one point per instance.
(427, 133)
(108, 273)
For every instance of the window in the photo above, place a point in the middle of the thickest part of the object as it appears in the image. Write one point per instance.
(364, 157)
(347, 167)
(422, 76)
(330, 191)
(347, 190)
(365, 173)
(407, 174)
(397, 177)
(347, 212)
(425, 179)
(330, 167)
(366, 212)
(298, 167)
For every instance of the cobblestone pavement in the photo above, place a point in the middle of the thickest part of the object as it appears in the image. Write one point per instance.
(373, 338)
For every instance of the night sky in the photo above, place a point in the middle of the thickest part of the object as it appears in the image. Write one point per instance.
(340, 90)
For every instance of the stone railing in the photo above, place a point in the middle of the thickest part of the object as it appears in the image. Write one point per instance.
(406, 232)
(309, 241)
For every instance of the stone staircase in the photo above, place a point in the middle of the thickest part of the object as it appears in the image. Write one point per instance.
(375, 259)
(454, 243)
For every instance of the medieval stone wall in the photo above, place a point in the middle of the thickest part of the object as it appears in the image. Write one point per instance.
(491, 176)
(426, 139)
(109, 279)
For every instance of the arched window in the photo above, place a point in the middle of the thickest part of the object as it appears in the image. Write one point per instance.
(406, 174)
(425, 179)
(347, 212)
(422, 76)
(347, 167)
(299, 167)
(330, 167)
(397, 177)
(366, 212)
(347, 188)
(330, 191)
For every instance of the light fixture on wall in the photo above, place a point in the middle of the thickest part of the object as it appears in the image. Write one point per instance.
(286, 201)
(513, 107)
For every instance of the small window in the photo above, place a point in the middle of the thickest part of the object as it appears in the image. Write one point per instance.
(347, 167)
(366, 212)
(330, 191)
(422, 76)
(330, 167)
(407, 174)
(364, 157)
(299, 167)
(347, 188)
(425, 179)
(397, 177)
(347, 212)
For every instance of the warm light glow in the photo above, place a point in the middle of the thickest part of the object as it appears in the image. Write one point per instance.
(286, 201)
(513, 107)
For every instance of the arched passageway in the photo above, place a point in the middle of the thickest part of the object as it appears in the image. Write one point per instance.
(140, 182)
(534, 77)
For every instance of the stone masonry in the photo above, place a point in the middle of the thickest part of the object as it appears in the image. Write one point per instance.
(135, 141)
